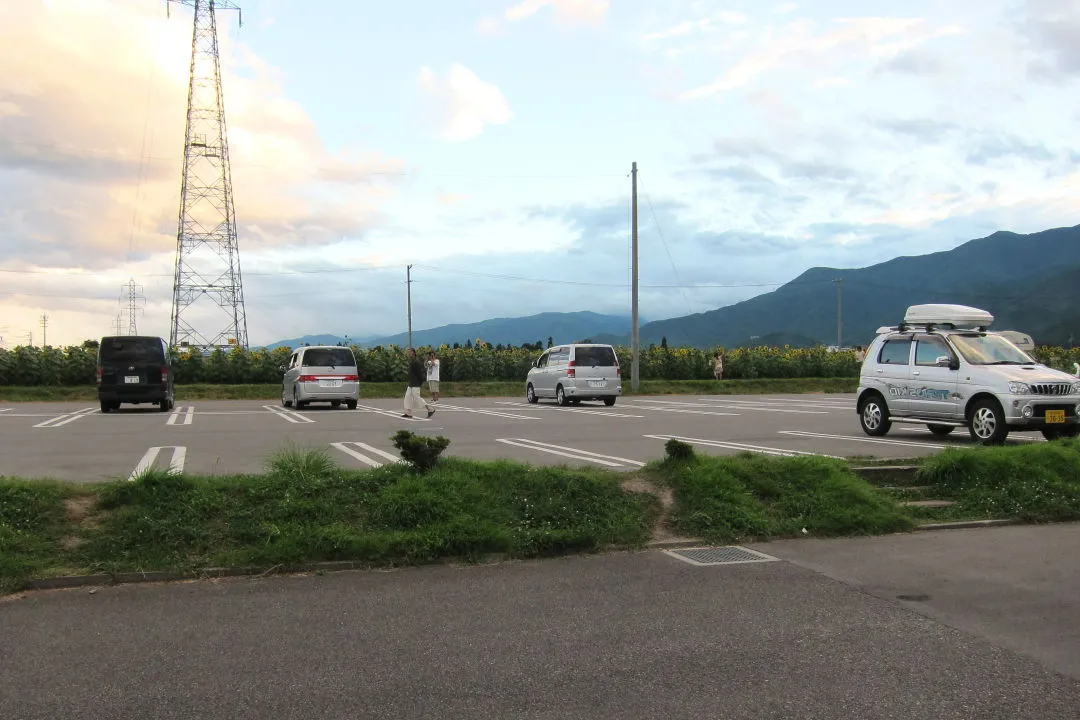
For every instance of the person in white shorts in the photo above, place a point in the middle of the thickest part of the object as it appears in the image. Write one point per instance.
(433, 376)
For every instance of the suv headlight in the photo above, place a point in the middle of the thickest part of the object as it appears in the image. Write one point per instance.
(1076, 388)
(1019, 388)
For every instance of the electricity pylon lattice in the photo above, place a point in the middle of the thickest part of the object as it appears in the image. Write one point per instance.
(132, 298)
(208, 294)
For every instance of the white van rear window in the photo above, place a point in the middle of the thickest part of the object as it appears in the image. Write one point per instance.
(601, 356)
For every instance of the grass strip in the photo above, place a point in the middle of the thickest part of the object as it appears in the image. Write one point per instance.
(1039, 482)
(207, 391)
(750, 496)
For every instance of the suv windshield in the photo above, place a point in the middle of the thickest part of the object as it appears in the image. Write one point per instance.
(989, 350)
(595, 356)
(329, 357)
(132, 350)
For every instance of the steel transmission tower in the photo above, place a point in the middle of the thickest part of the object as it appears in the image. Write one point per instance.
(208, 295)
(132, 298)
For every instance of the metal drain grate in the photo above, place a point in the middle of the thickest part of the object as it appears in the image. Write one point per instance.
(726, 555)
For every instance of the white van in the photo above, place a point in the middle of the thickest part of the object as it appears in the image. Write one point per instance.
(572, 373)
(321, 373)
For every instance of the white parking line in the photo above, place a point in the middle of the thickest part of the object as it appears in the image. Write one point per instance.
(730, 406)
(572, 453)
(388, 413)
(828, 404)
(744, 447)
(856, 438)
(684, 410)
(290, 415)
(189, 413)
(344, 447)
(66, 418)
(176, 463)
(495, 413)
(6, 409)
(1014, 436)
(586, 411)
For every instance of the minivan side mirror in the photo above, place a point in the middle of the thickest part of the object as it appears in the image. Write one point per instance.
(281, 368)
(949, 362)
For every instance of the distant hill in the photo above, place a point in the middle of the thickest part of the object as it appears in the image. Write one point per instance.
(1030, 283)
(561, 327)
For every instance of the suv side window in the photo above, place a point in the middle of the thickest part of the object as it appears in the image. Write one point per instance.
(292, 362)
(928, 350)
(543, 361)
(895, 352)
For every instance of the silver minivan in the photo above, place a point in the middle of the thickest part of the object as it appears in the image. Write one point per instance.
(572, 373)
(321, 373)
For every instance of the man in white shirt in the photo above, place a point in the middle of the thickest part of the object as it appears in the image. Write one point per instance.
(433, 376)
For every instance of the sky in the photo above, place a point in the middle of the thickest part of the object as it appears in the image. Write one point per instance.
(489, 144)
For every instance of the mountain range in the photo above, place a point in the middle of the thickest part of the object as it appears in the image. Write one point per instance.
(1029, 283)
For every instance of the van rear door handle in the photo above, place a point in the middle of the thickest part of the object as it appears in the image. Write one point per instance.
(914, 372)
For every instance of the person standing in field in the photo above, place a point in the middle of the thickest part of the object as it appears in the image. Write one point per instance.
(413, 399)
(433, 376)
(718, 366)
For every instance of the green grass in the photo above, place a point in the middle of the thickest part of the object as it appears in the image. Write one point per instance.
(756, 497)
(1039, 482)
(207, 391)
(33, 523)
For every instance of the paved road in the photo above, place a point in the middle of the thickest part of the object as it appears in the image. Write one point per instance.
(640, 635)
(76, 442)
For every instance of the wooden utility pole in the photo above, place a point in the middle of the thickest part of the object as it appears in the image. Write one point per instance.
(635, 377)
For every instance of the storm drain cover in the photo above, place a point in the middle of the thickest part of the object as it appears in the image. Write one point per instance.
(726, 555)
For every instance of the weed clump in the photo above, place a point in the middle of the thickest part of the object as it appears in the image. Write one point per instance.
(420, 451)
(678, 451)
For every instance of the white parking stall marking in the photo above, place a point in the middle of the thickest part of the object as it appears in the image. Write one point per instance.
(1014, 436)
(480, 411)
(856, 438)
(743, 447)
(355, 453)
(732, 406)
(291, 416)
(6, 409)
(175, 417)
(573, 453)
(796, 404)
(387, 413)
(176, 463)
(688, 411)
(586, 411)
(66, 418)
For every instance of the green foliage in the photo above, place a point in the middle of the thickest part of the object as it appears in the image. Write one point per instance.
(476, 362)
(32, 522)
(420, 451)
(1036, 483)
(677, 450)
(747, 496)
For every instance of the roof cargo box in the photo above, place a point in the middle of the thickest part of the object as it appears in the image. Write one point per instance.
(960, 316)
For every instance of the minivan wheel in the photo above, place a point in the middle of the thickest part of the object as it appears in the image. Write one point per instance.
(106, 407)
(335, 403)
(874, 416)
(530, 394)
(284, 400)
(560, 396)
(609, 401)
(351, 404)
(987, 422)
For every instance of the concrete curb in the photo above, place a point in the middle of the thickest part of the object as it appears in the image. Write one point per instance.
(967, 524)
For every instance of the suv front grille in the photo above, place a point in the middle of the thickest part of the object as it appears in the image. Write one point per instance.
(1051, 388)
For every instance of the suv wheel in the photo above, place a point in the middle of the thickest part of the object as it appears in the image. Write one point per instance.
(530, 394)
(987, 422)
(874, 416)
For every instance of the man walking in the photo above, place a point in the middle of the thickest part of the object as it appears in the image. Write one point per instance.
(433, 376)
(413, 399)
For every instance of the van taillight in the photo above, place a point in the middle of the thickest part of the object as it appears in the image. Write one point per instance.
(306, 378)
(164, 373)
(97, 374)
(618, 370)
(570, 371)
(351, 378)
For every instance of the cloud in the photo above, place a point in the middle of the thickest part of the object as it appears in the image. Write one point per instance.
(1052, 31)
(463, 104)
(798, 44)
(104, 132)
(572, 12)
(702, 25)
(917, 61)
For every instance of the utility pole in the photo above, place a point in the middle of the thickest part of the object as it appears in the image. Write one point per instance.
(839, 313)
(634, 340)
(408, 295)
(44, 324)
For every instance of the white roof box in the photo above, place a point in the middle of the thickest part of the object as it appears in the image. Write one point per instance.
(960, 316)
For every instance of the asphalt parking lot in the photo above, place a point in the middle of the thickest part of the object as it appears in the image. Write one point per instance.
(74, 441)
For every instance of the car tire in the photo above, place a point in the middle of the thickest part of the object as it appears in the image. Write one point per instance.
(1065, 432)
(106, 407)
(335, 404)
(163, 406)
(285, 402)
(941, 430)
(609, 401)
(874, 415)
(351, 404)
(986, 423)
(560, 397)
(530, 395)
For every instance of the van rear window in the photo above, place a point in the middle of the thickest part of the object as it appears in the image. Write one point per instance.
(327, 357)
(132, 350)
(595, 356)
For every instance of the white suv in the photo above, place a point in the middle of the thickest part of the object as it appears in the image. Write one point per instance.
(572, 373)
(942, 368)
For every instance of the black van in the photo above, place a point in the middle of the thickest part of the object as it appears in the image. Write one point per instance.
(134, 369)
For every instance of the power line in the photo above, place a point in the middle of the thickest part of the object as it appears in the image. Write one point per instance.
(663, 241)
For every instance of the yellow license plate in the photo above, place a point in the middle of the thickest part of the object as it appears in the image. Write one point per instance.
(1055, 416)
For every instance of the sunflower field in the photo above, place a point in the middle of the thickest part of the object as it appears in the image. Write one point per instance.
(28, 366)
